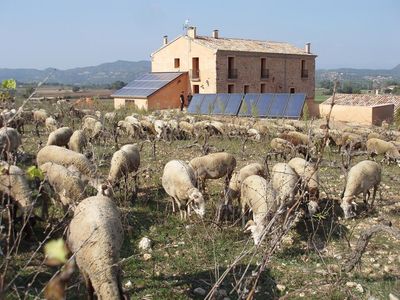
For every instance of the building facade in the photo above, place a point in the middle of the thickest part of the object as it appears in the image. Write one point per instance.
(225, 65)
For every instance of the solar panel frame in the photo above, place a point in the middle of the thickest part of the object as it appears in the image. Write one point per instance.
(233, 104)
(250, 103)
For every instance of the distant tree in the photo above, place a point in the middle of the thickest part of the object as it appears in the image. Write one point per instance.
(326, 84)
(117, 85)
(28, 91)
(75, 88)
(396, 91)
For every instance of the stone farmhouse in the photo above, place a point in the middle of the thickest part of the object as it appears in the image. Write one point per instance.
(215, 64)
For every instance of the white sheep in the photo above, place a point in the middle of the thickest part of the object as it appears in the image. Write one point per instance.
(284, 181)
(360, 179)
(51, 124)
(281, 147)
(179, 182)
(389, 150)
(66, 157)
(10, 140)
(258, 196)
(60, 137)
(309, 181)
(213, 166)
(40, 116)
(69, 187)
(95, 237)
(92, 126)
(77, 141)
(124, 161)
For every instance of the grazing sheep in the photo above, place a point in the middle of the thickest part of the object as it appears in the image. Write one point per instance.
(51, 124)
(378, 147)
(68, 186)
(14, 183)
(147, 127)
(186, 129)
(179, 182)
(77, 141)
(309, 181)
(92, 126)
(161, 128)
(284, 181)
(66, 158)
(60, 137)
(95, 236)
(253, 134)
(281, 147)
(360, 179)
(10, 140)
(258, 196)
(124, 161)
(213, 166)
(40, 116)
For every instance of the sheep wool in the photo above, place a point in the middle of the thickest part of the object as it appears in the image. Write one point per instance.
(77, 141)
(60, 136)
(10, 139)
(95, 236)
(124, 161)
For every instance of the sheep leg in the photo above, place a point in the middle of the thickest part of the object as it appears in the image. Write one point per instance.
(173, 205)
(374, 195)
(89, 286)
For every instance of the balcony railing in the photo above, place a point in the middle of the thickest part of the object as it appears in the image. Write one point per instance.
(232, 74)
(264, 73)
(194, 74)
(304, 73)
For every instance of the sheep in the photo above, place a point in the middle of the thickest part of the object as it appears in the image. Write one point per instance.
(66, 157)
(14, 183)
(160, 128)
(179, 182)
(95, 236)
(186, 129)
(213, 166)
(60, 136)
(124, 161)
(376, 147)
(147, 127)
(77, 141)
(51, 124)
(281, 147)
(309, 181)
(92, 126)
(40, 116)
(10, 140)
(68, 186)
(124, 126)
(258, 196)
(284, 181)
(253, 134)
(360, 179)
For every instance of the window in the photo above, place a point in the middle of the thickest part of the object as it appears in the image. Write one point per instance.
(231, 88)
(245, 89)
(196, 89)
(292, 90)
(262, 88)
(195, 73)
(264, 71)
(177, 63)
(232, 72)
(304, 71)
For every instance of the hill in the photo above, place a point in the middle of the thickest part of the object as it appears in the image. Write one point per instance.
(102, 74)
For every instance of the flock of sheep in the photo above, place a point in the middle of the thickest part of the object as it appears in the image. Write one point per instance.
(95, 231)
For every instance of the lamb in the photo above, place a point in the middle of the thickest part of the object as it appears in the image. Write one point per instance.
(213, 166)
(51, 124)
(284, 181)
(68, 186)
(309, 181)
(360, 179)
(77, 141)
(281, 147)
(66, 157)
(124, 161)
(376, 147)
(14, 183)
(258, 196)
(179, 182)
(10, 140)
(60, 136)
(95, 236)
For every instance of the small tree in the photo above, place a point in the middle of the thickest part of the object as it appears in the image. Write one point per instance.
(75, 88)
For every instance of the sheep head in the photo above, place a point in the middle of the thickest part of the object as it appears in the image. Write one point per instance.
(196, 201)
(256, 230)
(348, 206)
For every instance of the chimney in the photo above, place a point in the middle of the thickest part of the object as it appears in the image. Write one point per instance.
(191, 32)
(165, 40)
(307, 48)
(215, 33)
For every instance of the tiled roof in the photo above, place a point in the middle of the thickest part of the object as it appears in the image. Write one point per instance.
(230, 44)
(364, 100)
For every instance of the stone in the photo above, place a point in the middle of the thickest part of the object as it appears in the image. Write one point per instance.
(145, 244)
(146, 256)
(351, 284)
(393, 297)
(280, 287)
(199, 291)
(359, 288)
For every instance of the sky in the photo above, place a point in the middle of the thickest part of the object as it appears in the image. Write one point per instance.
(75, 33)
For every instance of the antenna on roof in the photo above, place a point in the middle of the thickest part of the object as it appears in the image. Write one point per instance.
(186, 26)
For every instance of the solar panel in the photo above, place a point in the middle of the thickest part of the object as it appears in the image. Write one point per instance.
(249, 105)
(221, 103)
(208, 104)
(278, 105)
(264, 104)
(147, 84)
(195, 104)
(295, 106)
(233, 104)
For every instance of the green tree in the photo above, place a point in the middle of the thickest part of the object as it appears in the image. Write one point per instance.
(396, 90)
(117, 85)
(75, 88)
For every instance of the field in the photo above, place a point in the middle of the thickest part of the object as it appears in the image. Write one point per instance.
(194, 254)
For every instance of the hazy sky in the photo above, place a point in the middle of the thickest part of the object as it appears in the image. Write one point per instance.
(73, 33)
